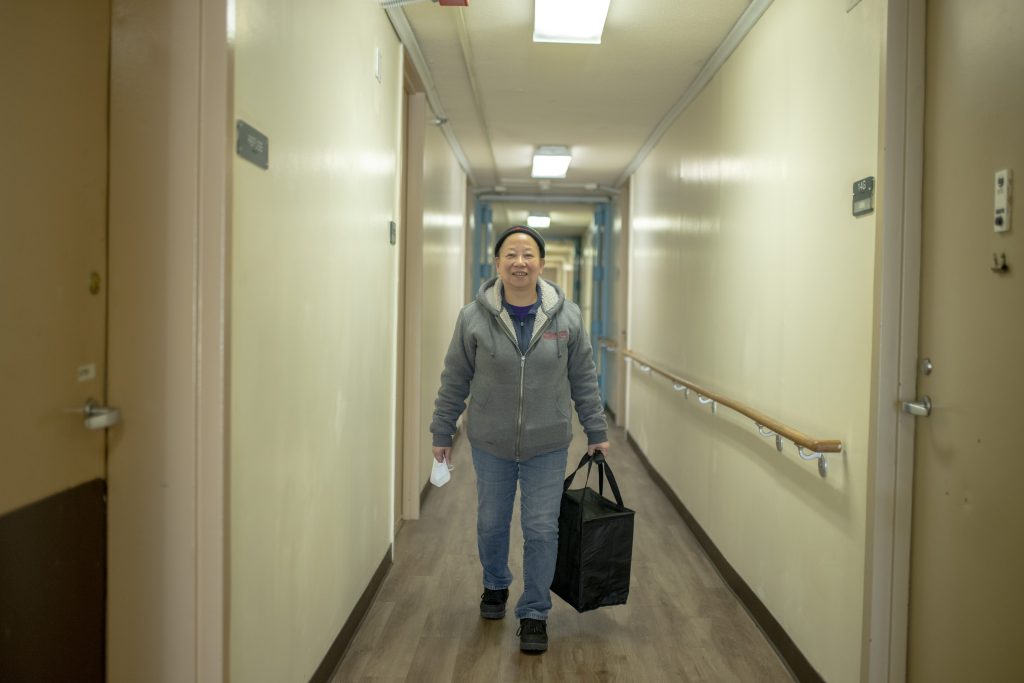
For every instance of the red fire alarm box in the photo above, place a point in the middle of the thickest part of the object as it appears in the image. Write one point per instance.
(454, 3)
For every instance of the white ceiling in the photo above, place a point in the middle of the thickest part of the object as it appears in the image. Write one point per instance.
(503, 95)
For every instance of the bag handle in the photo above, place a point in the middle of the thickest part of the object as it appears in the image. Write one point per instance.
(602, 467)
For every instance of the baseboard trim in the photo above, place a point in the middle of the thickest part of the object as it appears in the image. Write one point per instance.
(334, 655)
(801, 669)
(423, 494)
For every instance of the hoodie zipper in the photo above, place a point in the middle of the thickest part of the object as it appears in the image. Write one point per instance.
(519, 415)
(522, 375)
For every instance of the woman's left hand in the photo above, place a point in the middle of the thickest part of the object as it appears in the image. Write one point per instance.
(603, 447)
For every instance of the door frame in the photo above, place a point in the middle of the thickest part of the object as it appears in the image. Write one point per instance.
(620, 294)
(408, 481)
(897, 305)
(206, 94)
(602, 313)
(212, 353)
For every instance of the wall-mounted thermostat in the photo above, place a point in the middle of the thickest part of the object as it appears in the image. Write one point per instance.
(864, 196)
(1001, 218)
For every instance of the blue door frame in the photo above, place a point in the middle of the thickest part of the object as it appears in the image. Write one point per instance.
(483, 264)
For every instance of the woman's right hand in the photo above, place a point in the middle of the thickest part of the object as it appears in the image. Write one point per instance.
(443, 453)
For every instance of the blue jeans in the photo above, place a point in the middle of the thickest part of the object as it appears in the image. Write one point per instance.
(540, 480)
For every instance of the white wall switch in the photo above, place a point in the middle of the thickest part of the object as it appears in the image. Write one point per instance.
(1001, 217)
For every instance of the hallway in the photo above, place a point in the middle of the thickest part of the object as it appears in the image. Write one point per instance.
(238, 235)
(681, 623)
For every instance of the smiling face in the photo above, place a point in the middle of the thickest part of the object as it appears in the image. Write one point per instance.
(519, 264)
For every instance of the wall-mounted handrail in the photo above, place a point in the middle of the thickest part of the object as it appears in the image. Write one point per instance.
(766, 426)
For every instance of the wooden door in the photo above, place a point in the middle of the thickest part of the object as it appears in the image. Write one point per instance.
(53, 213)
(967, 558)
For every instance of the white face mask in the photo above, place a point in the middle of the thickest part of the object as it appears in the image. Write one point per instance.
(440, 474)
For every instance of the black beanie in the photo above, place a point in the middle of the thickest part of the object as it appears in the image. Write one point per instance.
(523, 229)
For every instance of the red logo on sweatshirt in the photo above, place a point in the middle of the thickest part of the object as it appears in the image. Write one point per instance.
(561, 334)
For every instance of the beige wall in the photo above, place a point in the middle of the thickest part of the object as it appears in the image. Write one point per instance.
(312, 328)
(750, 276)
(615, 392)
(443, 285)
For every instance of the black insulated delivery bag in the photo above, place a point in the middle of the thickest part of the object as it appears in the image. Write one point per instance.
(595, 542)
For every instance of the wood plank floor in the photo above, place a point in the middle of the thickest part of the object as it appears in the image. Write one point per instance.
(682, 623)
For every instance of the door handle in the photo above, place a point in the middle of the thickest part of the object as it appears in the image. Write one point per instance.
(97, 416)
(922, 408)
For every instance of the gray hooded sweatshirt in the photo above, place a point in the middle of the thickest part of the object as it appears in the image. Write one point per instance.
(519, 405)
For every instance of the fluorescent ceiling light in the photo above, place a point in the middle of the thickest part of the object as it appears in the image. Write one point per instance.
(551, 162)
(538, 220)
(569, 21)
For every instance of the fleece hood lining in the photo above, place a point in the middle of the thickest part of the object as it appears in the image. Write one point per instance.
(550, 301)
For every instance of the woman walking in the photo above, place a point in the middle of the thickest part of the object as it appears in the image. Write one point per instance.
(520, 353)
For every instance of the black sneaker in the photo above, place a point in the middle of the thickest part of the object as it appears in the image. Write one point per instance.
(533, 635)
(492, 603)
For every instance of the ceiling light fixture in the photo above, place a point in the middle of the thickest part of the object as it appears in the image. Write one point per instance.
(551, 161)
(569, 21)
(538, 220)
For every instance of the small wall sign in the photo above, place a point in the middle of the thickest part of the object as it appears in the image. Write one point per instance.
(252, 145)
(864, 196)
